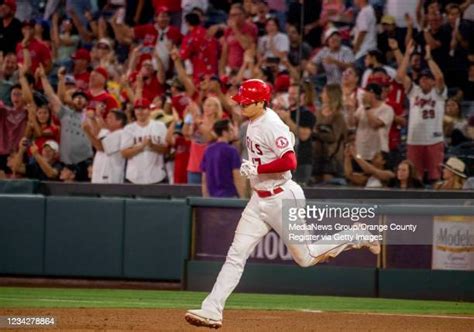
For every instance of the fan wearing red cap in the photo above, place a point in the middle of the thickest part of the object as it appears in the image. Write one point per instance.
(38, 51)
(144, 145)
(82, 59)
(270, 145)
(98, 93)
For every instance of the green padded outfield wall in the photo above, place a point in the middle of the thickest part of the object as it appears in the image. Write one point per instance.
(84, 236)
(19, 187)
(284, 279)
(22, 234)
(94, 237)
(157, 237)
(426, 284)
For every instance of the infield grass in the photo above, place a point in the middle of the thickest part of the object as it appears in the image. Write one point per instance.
(15, 297)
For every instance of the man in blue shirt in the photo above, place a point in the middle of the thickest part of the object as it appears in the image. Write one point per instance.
(221, 165)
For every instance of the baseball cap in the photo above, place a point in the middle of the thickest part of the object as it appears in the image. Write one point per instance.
(69, 79)
(387, 19)
(82, 54)
(80, 93)
(162, 9)
(11, 4)
(105, 41)
(53, 145)
(282, 83)
(102, 71)
(142, 103)
(375, 88)
(382, 81)
(329, 32)
(426, 73)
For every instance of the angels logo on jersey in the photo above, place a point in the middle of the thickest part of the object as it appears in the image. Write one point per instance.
(281, 142)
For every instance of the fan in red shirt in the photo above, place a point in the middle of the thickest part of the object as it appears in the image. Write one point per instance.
(394, 95)
(82, 59)
(158, 35)
(38, 51)
(202, 50)
(149, 83)
(98, 96)
(238, 37)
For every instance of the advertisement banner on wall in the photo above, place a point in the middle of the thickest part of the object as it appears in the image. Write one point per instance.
(453, 243)
(214, 231)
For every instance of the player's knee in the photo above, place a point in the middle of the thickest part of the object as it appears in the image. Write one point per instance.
(238, 253)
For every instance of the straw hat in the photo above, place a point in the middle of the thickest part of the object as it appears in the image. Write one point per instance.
(456, 166)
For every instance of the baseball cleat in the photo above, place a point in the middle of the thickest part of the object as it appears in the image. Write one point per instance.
(373, 245)
(203, 318)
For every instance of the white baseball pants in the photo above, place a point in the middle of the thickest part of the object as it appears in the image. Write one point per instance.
(258, 218)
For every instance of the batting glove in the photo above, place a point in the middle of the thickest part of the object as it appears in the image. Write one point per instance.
(248, 169)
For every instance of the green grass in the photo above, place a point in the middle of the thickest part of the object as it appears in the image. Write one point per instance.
(12, 297)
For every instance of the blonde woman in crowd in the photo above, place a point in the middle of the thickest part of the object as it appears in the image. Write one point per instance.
(198, 128)
(453, 175)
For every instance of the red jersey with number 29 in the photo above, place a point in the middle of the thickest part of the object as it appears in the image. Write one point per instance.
(268, 138)
(425, 120)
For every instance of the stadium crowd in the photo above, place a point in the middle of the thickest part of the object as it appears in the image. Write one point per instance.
(379, 93)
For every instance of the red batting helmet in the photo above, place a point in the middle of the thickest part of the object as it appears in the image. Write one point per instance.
(253, 91)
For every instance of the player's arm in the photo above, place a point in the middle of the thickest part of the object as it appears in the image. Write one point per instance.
(287, 162)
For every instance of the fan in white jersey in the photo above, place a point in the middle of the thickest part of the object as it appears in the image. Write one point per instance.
(272, 158)
(143, 144)
(425, 142)
(108, 165)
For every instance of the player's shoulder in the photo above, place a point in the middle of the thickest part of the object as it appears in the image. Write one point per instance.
(272, 117)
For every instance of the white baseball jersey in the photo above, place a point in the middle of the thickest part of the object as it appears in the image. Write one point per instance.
(425, 120)
(147, 166)
(268, 138)
(109, 165)
(369, 140)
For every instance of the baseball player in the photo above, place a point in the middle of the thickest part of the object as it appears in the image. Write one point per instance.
(272, 158)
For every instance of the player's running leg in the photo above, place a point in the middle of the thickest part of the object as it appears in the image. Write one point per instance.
(250, 230)
(305, 253)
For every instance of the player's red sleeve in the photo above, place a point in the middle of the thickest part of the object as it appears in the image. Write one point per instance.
(287, 162)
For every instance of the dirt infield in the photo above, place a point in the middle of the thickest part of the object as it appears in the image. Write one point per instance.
(241, 320)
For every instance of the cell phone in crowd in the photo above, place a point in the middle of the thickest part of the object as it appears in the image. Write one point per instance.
(146, 49)
(273, 60)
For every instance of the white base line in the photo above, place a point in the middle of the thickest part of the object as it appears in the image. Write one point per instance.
(387, 314)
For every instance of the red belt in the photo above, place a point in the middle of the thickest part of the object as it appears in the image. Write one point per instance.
(265, 194)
